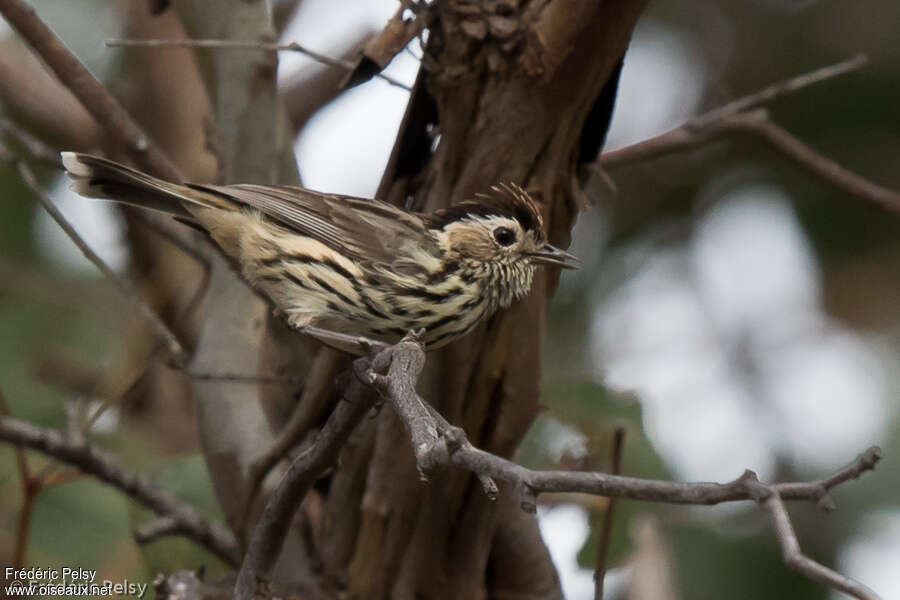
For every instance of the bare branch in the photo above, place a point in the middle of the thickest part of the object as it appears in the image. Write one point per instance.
(175, 348)
(606, 531)
(155, 529)
(530, 483)
(393, 39)
(37, 150)
(755, 123)
(271, 528)
(821, 166)
(770, 500)
(249, 45)
(106, 467)
(310, 408)
(396, 35)
(398, 387)
(783, 88)
(105, 109)
(734, 118)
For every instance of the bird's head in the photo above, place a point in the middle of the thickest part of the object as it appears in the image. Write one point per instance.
(501, 237)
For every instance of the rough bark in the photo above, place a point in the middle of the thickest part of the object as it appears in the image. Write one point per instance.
(511, 105)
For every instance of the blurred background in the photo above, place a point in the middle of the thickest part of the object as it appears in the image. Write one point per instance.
(733, 312)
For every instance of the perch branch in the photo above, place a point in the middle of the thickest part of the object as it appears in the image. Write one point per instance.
(105, 109)
(94, 461)
(398, 388)
(742, 116)
(248, 45)
(530, 483)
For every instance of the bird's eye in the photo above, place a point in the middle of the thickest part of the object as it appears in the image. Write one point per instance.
(504, 236)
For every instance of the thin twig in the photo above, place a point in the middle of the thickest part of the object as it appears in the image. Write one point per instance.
(106, 467)
(30, 492)
(36, 149)
(175, 348)
(821, 166)
(606, 530)
(782, 88)
(242, 45)
(734, 118)
(105, 109)
(239, 378)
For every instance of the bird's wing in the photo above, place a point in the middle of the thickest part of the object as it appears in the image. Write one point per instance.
(365, 230)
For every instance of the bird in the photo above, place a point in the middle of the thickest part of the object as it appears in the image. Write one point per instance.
(354, 266)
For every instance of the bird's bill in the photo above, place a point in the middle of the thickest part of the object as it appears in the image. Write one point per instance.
(551, 255)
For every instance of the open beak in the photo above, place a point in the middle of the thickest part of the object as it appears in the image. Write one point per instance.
(550, 255)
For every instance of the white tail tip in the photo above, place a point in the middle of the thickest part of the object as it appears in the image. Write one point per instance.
(74, 166)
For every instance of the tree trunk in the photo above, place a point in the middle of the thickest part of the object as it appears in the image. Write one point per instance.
(510, 94)
(511, 87)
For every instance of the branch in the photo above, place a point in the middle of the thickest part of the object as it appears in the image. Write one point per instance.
(105, 109)
(398, 388)
(271, 528)
(36, 149)
(157, 528)
(378, 53)
(530, 483)
(248, 45)
(771, 501)
(784, 88)
(735, 117)
(106, 467)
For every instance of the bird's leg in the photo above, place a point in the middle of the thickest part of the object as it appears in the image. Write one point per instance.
(348, 343)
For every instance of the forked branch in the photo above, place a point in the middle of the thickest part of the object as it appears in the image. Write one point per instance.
(436, 443)
(104, 466)
(742, 116)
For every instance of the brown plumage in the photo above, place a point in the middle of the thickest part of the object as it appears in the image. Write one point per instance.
(351, 265)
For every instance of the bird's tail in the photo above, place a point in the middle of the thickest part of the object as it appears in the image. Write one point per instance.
(96, 177)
